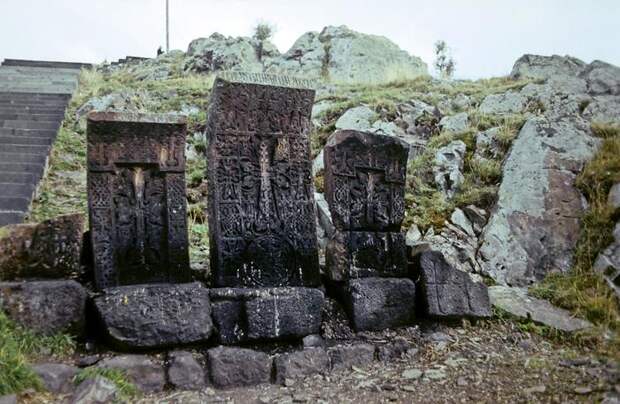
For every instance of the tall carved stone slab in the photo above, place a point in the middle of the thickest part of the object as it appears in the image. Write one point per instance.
(365, 191)
(261, 196)
(136, 198)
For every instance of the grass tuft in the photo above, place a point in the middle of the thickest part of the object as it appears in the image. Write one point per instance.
(126, 389)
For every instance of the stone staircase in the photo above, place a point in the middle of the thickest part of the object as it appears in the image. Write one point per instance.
(33, 99)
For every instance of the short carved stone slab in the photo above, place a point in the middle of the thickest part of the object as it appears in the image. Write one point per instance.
(136, 198)
(261, 196)
(365, 181)
(361, 254)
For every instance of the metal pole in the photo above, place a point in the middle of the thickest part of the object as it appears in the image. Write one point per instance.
(167, 27)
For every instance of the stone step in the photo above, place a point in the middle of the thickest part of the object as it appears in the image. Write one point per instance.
(45, 64)
(38, 96)
(29, 109)
(11, 217)
(23, 169)
(24, 190)
(19, 148)
(34, 102)
(30, 125)
(14, 203)
(47, 133)
(17, 177)
(22, 158)
(32, 117)
(56, 89)
(33, 140)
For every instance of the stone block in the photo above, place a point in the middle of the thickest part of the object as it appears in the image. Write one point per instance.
(379, 303)
(97, 390)
(302, 363)
(147, 374)
(242, 315)
(344, 357)
(151, 316)
(46, 307)
(236, 367)
(57, 378)
(185, 372)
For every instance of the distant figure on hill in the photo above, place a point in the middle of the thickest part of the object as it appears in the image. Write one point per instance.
(159, 51)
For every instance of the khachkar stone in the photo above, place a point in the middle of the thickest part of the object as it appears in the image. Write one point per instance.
(365, 190)
(136, 198)
(261, 196)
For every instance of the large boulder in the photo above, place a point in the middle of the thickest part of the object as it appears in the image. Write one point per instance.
(346, 56)
(544, 67)
(535, 224)
(219, 52)
(151, 316)
(50, 249)
(46, 307)
(242, 315)
(446, 292)
(358, 118)
(602, 78)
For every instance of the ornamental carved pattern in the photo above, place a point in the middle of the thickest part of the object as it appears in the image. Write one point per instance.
(136, 199)
(261, 196)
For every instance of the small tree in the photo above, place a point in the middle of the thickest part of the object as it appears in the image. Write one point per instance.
(444, 62)
(262, 32)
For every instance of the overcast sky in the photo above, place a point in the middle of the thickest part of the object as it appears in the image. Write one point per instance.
(486, 36)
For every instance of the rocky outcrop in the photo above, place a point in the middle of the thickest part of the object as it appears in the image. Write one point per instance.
(544, 67)
(342, 55)
(535, 224)
(448, 167)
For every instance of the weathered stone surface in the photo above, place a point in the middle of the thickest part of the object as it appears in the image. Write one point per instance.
(314, 341)
(413, 235)
(149, 316)
(324, 220)
(261, 199)
(457, 246)
(302, 363)
(477, 216)
(97, 390)
(148, 375)
(358, 118)
(446, 292)
(517, 302)
(394, 349)
(344, 357)
(509, 102)
(365, 181)
(614, 196)
(379, 303)
(50, 249)
(544, 67)
(448, 167)
(346, 56)
(459, 219)
(486, 144)
(455, 123)
(266, 314)
(535, 230)
(8, 399)
(46, 307)
(136, 198)
(57, 378)
(602, 78)
(362, 254)
(235, 367)
(608, 261)
(184, 371)
(603, 109)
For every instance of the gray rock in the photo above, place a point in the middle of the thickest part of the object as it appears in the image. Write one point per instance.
(46, 307)
(517, 302)
(614, 196)
(324, 219)
(147, 375)
(379, 303)
(387, 128)
(235, 367)
(302, 363)
(486, 144)
(545, 67)
(357, 118)
(509, 102)
(602, 78)
(448, 167)
(412, 236)
(184, 371)
(345, 56)
(535, 230)
(266, 314)
(477, 216)
(8, 399)
(458, 247)
(149, 316)
(455, 123)
(219, 52)
(57, 378)
(459, 219)
(447, 292)
(50, 249)
(393, 350)
(97, 390)
(314, 341)
(608, 262)
(344, 357)
(603, 109)
(318, 164)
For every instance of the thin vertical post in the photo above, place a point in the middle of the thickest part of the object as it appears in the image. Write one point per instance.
(167, 26)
